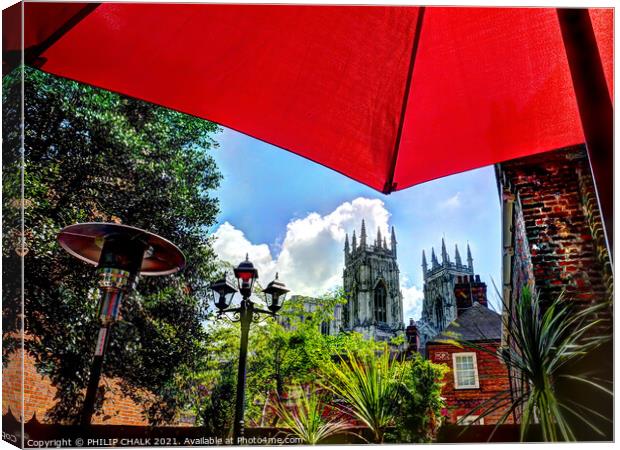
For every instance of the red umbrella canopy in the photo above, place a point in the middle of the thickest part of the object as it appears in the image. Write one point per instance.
(389, 96)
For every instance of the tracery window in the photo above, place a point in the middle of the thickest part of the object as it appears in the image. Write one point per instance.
(380, 303)
(439, 312)
(346, 313)
(325, 328)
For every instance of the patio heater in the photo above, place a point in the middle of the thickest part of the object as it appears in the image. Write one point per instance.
(120, 253)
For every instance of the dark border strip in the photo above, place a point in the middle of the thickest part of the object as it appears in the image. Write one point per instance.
(595, 107)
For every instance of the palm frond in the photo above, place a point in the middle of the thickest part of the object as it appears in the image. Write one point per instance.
(369, 386)
(590, 382)
(304, 419)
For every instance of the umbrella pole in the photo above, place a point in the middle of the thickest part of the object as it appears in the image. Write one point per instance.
(595, 107)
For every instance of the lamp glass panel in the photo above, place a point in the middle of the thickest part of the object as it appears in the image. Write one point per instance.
(223, 299)
(245, 280)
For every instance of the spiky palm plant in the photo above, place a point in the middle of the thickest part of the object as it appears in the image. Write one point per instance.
(369, 386)
(305, 420)
(543, 342)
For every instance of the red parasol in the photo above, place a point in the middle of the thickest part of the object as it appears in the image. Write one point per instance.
(389, 96)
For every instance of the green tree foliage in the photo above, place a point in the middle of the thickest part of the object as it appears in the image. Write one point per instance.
(285, 352)
(294, 351)
(290, 352)
(92, 155)
(399, 400)
(420, 402)
(218, 408)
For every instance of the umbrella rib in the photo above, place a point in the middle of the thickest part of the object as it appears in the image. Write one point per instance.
(390, 186)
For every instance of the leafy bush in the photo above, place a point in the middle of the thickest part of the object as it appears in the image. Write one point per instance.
(420, 401)
(218, 410)
(286, 352)
(369, 384)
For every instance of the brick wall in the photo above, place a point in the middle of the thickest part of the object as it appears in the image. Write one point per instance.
(558, 245)
(39, 396)
(556, 204)
(492, 377)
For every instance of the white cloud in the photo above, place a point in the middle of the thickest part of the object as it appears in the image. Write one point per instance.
(311, 259)
(452, 202)
(413, 297)
(412, 302)
(231, 245)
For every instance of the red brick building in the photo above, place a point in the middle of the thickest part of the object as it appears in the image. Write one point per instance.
(475, 375)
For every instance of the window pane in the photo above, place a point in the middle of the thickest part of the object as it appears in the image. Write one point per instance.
(465, 362)
(466, 378)
(465, 370)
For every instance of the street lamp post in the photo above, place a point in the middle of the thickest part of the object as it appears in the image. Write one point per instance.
(120, 253)
(247, 312)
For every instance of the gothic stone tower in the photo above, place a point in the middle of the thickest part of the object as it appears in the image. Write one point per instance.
(375, 305)
(440, 306)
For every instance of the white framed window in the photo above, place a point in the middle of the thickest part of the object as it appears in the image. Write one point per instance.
(465, 370)
(470, 420)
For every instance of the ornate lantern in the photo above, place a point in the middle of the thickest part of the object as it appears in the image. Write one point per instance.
(276, 294)
(246, 275)
(223, 291)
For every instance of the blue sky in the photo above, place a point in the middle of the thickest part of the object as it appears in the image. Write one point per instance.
(291, 214)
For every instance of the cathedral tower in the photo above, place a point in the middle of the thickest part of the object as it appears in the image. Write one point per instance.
(371, 283)
(440, 306)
